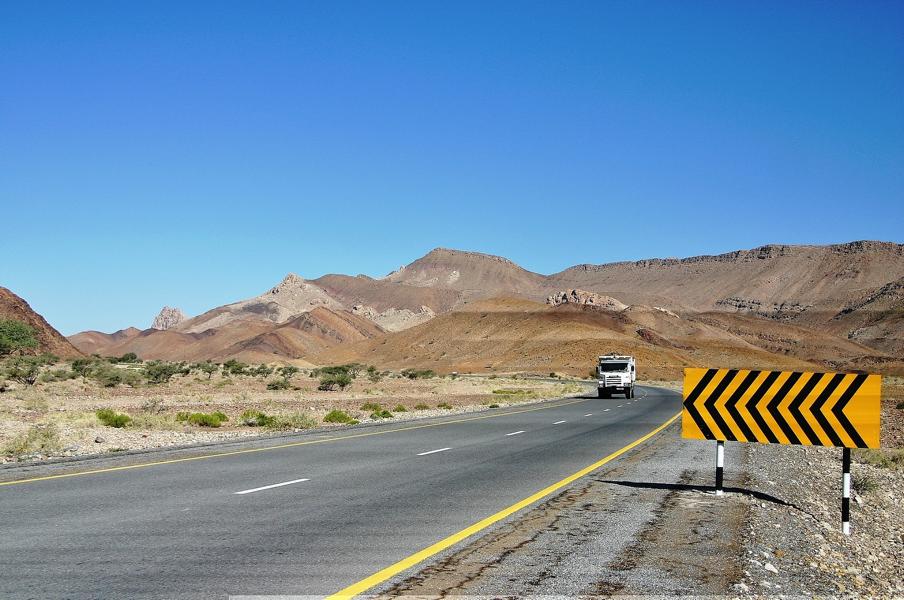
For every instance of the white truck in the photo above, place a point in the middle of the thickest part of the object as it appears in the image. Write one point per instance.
(616, 374)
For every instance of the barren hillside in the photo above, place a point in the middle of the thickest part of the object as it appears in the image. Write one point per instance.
(49, 339)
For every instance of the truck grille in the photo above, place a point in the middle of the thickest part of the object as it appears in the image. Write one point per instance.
(613, 380)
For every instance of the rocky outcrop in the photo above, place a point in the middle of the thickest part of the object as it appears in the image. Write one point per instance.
(49, 339)
(586, 298)
(167, 318)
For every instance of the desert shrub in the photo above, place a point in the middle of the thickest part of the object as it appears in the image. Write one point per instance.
(339, 416)
(279, 384)
(158, 371)
(234, 367)
(494, 406)
(418, 373)
(22, 369)
(380, 414)
(330, 382)
(553, 375)
(58, 375)
(373, 375)
(152, 406)
(111, 418)
(288, 371)
(214, 419)
(400, 408)
(900, 405)
(16, 336)
(421, 406)
(887, 458)
(109, 376)
(44, 439)
(291, 421)
(444, 405)
(127, 358)
(372, 406)
(261, 371)
(206, 367)
(255, 418)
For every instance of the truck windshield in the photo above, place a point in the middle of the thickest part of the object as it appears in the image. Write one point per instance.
(613, 366)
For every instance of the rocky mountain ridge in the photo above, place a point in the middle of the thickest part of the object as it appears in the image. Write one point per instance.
(847, 290)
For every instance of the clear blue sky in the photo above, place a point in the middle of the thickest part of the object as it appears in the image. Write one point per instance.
(193, 153)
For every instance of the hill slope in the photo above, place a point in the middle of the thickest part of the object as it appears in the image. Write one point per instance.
(49, 339)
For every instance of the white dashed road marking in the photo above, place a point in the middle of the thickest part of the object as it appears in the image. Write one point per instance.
(514, 433)
(558, 422)
(589, 415)
(270, 487)
(433, 451)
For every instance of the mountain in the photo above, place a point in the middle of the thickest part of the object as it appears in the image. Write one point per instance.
(473, 274)
(504, 334)
(49, 339)
(805, 302)
(97, 342)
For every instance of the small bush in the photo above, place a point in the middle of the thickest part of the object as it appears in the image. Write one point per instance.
(338, 416)
(418, 374)
(329, 382)
(279, 384)
(444, 405)
(292, 421)
(262, 371)
(58, 375)
(421, 406)
(400, 408)
(214, 419)
(553, 375)
(494, 406)
(372, 406)
(380, 414)
(127, 358)
(288, 371)
(44, 439)
(111, 418)
(152, 406)
(234, 367)
(900, 405)
(255, 418)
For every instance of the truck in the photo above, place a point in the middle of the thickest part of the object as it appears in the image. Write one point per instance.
(616, 374)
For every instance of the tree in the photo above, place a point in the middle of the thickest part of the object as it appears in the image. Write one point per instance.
(330, 381)
(288, 371)
(208, 367)
(16, 336)
(24, 369)
(160, 372)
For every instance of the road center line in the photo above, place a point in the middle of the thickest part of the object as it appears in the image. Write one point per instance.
(514, 433)
(270, 487)
(589, 415)
(558, 422)
(433, 451)
(605, 410)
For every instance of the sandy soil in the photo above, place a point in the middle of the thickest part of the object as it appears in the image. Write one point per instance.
(63, 413)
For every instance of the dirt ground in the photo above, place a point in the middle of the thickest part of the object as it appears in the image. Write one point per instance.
(59, 418)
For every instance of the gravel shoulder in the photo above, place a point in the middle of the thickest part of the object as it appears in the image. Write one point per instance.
(649, 524)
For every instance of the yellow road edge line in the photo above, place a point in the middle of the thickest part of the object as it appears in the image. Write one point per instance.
(281, 446)
(394, 569)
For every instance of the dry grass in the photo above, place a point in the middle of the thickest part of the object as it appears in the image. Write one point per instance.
(70, 407)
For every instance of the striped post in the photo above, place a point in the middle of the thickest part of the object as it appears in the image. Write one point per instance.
(846, 491)
(720, 462)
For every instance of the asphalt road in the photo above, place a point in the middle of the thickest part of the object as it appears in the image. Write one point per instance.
(351, 504)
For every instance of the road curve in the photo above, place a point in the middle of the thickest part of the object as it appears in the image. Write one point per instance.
(304, 519)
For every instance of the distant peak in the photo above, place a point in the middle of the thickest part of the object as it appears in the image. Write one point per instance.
(167, 318)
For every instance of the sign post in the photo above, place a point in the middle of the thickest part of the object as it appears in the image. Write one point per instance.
(783, 407)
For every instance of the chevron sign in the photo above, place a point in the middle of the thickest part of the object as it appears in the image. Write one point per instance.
(782, 407)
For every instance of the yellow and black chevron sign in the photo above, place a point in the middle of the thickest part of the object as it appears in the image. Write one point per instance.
(782, 407)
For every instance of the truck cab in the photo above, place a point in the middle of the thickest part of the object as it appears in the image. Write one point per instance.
(616, 374)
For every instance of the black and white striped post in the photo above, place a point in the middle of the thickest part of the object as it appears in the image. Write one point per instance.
(720, 462)
(846, 491)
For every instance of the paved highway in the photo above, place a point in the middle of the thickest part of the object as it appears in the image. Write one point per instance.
(312, 516)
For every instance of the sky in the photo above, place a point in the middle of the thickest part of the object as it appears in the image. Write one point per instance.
(193, 153)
